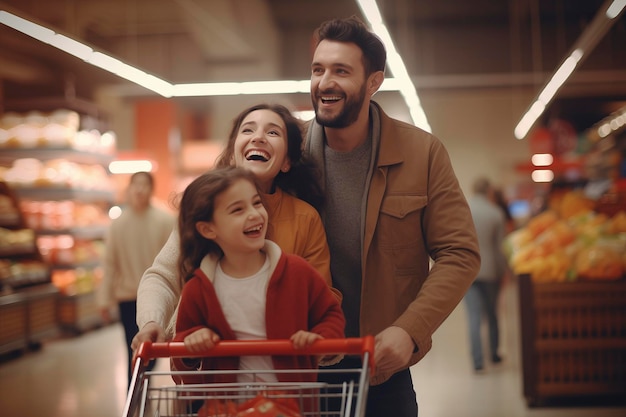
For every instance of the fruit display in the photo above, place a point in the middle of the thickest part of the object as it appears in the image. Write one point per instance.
(569, 241)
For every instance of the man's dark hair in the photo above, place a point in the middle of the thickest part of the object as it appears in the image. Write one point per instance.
(352, 29)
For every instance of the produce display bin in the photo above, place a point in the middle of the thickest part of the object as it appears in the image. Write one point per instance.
(13, 323)
(573, 339)
(79, 312)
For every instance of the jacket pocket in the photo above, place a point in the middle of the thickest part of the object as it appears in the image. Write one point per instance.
(400, 233)
(401, 205)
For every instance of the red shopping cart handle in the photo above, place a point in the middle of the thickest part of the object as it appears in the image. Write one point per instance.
(349, 346)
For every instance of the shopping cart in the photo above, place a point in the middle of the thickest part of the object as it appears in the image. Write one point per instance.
(152, 395)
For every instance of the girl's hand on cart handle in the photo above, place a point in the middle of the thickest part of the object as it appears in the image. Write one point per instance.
(150, 332)
(201, 340)
(303, 339)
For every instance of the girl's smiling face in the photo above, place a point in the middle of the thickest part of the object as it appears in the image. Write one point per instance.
(261, 146)
(239, 221)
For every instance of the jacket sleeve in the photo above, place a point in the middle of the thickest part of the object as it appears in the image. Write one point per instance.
(190, 318)
(159, 288)
(450, 236)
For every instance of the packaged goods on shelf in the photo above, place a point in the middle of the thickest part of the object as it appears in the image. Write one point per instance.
(57, 129)
(56, 173)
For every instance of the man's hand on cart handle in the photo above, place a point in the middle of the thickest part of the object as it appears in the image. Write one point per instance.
(393, 349)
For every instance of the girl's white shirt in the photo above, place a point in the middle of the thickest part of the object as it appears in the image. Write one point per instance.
(243, 303)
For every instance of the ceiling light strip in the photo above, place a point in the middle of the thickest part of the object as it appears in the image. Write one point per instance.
(401, 81)
(370, 10)
(598, 27)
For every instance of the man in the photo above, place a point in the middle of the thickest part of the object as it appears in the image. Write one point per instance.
(482, 296)
(132, 242)
(392, 204)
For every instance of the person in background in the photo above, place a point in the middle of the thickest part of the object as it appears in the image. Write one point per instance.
(482, 296)
(392, 203)
(500, 200)
(240, 286)
(266, 139)
(132, 242)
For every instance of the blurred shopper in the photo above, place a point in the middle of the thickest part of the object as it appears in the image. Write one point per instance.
(481, 298)
(132, 242)
(500, 200)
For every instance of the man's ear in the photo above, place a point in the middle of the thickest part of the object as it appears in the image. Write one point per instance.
(375, 80)
(206, 230)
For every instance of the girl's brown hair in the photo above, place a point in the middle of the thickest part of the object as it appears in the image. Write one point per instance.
(198, 204)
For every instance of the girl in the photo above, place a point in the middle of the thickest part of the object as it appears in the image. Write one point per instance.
(238, 285)
(266, 139)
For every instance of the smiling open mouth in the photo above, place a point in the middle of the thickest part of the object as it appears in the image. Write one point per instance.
(256, 155)
(253, 230)
(330, 99)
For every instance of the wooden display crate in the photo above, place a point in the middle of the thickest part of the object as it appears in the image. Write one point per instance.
(13, 323)
(573, 339)
(42, 313)
(78, 313)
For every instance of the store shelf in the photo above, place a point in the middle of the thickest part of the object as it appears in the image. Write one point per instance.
(8, 155)
(83, 232)
(10, 220)
(18, 250)
(64, 193)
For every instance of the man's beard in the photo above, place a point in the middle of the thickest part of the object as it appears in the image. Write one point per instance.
(348, 115)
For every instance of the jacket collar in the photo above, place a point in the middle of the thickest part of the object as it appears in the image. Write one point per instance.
(388, 151)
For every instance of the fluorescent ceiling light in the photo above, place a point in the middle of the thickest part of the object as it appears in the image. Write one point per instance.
(69, 45)
(542, 159)
(542, 175)
(130, 167)
(401, 81)
(560, 76)
(26, 26)
(370, 10)
(600, 24)
(615, 8)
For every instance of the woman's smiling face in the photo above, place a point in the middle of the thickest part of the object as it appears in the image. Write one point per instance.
(261, 146)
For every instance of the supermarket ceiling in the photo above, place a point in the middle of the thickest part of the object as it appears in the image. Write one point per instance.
(451, 44)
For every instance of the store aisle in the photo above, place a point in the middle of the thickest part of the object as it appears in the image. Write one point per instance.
(84, 376)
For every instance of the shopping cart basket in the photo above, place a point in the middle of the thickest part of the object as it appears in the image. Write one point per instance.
(152, 395)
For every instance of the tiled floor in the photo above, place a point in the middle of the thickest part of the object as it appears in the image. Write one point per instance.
(85, 377)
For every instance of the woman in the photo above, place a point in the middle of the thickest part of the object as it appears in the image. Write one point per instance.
(266, 139)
